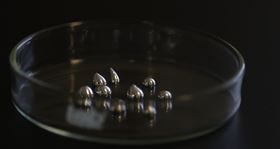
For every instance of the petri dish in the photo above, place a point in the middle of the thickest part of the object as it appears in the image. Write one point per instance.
(202, 72)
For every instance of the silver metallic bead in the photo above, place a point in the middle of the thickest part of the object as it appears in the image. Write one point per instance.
(149, 82)
(114, 77)
(86, 92)
(118, 109)
(104, 91)
(99, 80)
(164, 95)
(134, 92)
(84, 98)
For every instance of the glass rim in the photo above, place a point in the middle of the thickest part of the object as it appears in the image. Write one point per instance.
(223, 85)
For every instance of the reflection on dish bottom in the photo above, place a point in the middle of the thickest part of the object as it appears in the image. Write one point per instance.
(147, 121)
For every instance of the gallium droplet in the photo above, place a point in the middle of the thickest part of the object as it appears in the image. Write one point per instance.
(134, 92)
(104, 91)
(164, 95)
(149, 82)
(115, 79)
(86, 92)
(99, 80)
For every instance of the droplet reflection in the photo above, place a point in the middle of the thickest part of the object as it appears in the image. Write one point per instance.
(150, 113)
(86, 92)
(164, 95)
(149, 82)
(118, 109)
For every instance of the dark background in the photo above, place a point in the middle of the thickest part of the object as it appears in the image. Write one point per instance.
(251, 26)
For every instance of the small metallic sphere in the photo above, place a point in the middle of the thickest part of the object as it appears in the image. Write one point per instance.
(134, 92)
(164, 95)
(104, 91)
(86, 92)
(99, 80)
(149, 82)
(114, 77)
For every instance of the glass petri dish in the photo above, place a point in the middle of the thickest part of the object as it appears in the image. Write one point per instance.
(202, 72)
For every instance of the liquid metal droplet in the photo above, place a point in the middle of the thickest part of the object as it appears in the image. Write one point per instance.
(164, 95)
(103, 91)
(114, 77)
(149, 82)
(99, 80)
(134, 92)
(86, 92)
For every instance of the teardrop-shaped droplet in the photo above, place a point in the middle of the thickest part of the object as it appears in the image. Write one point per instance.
(115, 79)
(99, 80)
(84, 99)
(104, 91)
(86, 92)
(134, 92)
(164, 95)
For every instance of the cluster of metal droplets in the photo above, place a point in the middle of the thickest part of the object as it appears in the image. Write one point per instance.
(85, 97)
(99, 95)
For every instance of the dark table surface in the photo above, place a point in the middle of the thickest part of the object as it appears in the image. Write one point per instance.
(251, 26)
